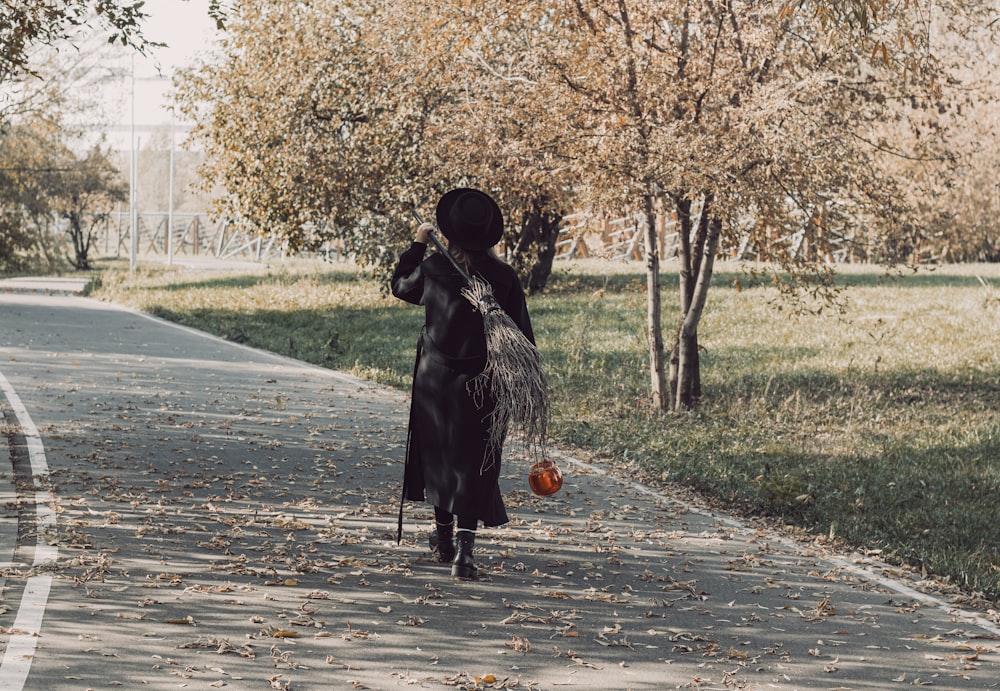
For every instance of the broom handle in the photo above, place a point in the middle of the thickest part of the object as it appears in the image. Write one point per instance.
(441, 248)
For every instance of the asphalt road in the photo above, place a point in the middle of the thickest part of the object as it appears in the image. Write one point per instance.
(179, 512)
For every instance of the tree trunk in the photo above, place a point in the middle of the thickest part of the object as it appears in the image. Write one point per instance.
(685, 276)
(545, 251)
(654, 325)
(534, 250)
(688, 390)
(80, 261)
(697, 260)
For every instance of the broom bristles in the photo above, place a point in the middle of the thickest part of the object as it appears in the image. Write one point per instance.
(513, 377)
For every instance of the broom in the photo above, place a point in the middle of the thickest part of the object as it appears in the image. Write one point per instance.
(513, 374)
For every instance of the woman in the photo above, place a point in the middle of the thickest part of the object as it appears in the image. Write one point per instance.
(449, 461)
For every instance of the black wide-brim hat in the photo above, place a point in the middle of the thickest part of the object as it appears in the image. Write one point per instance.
(470, 219)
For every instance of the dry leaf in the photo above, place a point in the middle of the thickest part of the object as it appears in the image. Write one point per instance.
(186, 620)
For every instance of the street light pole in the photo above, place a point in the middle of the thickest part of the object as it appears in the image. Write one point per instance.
(170, 196)
(133, 216)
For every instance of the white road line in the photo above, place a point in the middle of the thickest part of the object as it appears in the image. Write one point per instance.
(21, 646)
(27, 625)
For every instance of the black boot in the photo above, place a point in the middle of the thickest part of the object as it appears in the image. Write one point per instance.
(442, 541)
(464, 566)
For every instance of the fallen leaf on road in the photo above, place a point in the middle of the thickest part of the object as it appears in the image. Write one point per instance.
(186, 620)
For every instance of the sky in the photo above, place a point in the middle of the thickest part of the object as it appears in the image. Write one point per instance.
(186, 28)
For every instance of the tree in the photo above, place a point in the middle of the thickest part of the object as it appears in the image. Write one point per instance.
(85, 192)
(45, 179)
(288, 120)
(745, 124)
(52, 178)
(15, 238)
(330, 119)
(27, 166)
(485, 129)
(24, 25)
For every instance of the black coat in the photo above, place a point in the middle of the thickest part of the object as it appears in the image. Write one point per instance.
(447, 446)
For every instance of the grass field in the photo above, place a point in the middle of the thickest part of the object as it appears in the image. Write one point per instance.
(877, 426)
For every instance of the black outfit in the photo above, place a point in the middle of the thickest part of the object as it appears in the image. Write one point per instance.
(447, 459)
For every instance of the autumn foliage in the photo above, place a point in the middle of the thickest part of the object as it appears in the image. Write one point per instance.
(748, 125)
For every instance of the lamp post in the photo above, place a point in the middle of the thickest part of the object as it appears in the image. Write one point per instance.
(135, 146)
(170, 196)
(132, 204)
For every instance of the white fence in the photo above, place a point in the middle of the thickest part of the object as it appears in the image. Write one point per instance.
(585, 235)
(189, 234)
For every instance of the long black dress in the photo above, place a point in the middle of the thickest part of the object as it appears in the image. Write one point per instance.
(448, 431)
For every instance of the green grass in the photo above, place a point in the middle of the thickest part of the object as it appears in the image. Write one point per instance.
(878, 425)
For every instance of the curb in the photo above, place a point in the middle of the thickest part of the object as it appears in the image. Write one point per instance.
(48, 285)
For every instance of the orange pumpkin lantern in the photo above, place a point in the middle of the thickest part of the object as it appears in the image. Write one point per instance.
(545, 478)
